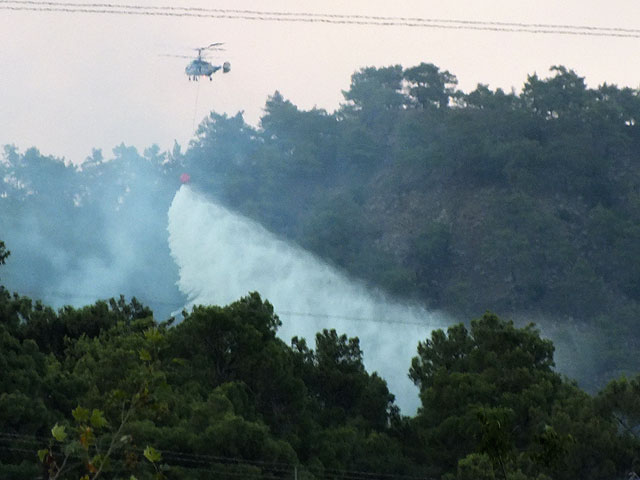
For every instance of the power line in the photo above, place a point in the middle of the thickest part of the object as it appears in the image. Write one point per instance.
(218, 461)
(308, 17)
(148, 301)
(350, 318)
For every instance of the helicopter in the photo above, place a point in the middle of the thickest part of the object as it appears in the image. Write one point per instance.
(200, 67)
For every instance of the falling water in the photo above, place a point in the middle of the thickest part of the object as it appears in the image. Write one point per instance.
(222, 256)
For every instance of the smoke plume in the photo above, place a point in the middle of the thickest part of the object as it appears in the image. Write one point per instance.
(222, 256)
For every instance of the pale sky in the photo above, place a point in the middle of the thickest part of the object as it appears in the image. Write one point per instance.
(73, 82)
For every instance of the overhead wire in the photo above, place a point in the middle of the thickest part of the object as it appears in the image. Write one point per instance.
(149, 301)
(350, 318)
(218, 461)
(314, 17)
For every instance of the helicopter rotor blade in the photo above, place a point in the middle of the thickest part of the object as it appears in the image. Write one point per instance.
(214, 46)
(176, 56)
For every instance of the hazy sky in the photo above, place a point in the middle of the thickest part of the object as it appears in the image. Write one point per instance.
(71, 82)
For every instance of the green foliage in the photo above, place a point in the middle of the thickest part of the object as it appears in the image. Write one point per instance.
(621, 400)
(523, 202)
(374, 91)
(122, 387)
(563, 95)
(152, 454)
(429, 86)
(4, 253)
(221, 393)
(337, 381)
(63, 223)
(520, 202)
(80, 414)
(492, 406)
(475, 466)
(58, 433)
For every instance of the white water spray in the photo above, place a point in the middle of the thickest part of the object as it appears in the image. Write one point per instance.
(222, 256)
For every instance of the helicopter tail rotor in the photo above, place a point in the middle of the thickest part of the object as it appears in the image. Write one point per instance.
(226, 67)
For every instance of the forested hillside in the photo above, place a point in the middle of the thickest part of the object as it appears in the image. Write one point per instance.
(79, 234)
(469, 201)
(524, 203)
(106, 391)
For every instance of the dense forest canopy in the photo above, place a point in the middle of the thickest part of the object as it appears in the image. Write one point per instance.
(523, 203)
(105, 390)
(95, 231)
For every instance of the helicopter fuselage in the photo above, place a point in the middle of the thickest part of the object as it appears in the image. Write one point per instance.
(201, 68)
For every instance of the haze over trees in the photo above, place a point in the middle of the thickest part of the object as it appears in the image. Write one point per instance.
(78, 234)
(105, 390)
(522, 203)
(525, 204)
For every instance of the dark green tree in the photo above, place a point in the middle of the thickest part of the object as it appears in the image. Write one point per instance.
(564, 95)
(375, 90)
(4, 253)
(492, 391)
(430, 87)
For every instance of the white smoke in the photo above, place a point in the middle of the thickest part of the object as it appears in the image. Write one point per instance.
(222, 256)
